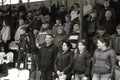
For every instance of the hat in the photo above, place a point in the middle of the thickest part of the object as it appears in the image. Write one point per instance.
(118, 26)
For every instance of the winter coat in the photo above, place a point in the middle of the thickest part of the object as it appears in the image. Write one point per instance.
(104, 62)
(6, 33)
(63, 61)
(81, 63)
(115, 38)
(46, 57)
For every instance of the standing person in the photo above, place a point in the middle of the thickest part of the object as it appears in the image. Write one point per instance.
(115, 38)
(104, 60)
(6, 34)
(23, 49)
(46, 56)
(81, 62)
(63, 62)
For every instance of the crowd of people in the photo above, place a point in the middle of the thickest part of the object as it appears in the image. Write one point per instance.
(51, 37)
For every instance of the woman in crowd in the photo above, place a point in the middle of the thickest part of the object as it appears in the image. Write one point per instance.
(63, 62)
(6, 33)
(81, 62)
(104, 60)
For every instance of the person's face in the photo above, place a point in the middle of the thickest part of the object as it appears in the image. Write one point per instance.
(2, 49)
(76, 7)
(58, 22)
(81, 46)
(76, 27)
(93, 15)
(65, 47)
(35, 32)
(21, 22)
(60, 30)
(48, 39)
(62, 9)
(45, 25)
(101, 32)
(3, 23)
(100, 44)
(67, 19)
(118, 31)
(106, 4)
(108, 14)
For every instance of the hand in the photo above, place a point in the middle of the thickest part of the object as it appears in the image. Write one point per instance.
(85, 78)
(58, 72)
(72, 77)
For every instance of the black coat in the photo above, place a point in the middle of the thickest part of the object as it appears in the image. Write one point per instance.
(46, 57)
(63, 62)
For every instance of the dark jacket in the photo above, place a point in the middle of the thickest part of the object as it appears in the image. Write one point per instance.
(46, 57)
(104, 62)
(81, 63)
(115, 38)
(63, 62)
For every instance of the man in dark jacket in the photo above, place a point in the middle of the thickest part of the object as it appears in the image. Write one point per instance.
(115, 38)
(46, 57)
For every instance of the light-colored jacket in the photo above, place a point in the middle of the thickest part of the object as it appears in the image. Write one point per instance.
(6, 33)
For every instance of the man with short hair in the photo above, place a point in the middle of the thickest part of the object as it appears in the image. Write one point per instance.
(46, 57)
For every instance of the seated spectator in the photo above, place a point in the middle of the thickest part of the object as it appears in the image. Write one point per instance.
(19, 30)
(60, 37)
(74, 36)
(55, 27)
(67, 25)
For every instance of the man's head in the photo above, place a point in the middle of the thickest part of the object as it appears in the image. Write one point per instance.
(101, 30)
(108, 14)
(106, 4)
(49, 38)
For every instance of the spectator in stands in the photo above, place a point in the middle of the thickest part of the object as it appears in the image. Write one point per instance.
(81, 62)
(93, 23)
(6, 33)
(116, 42)
(104, 60)
(109, 21)
(37, 21)
(107, 6)
(55, 27)
(74, 36)
(19, 30)
(63, 62)
(21, 7)
(101, 32)
(23, 49)
(61, 13)
(60, 37)
(67, 25)
(40, 39)
(46, 57)
(74, 13)
(98, 7)
(48, 19)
